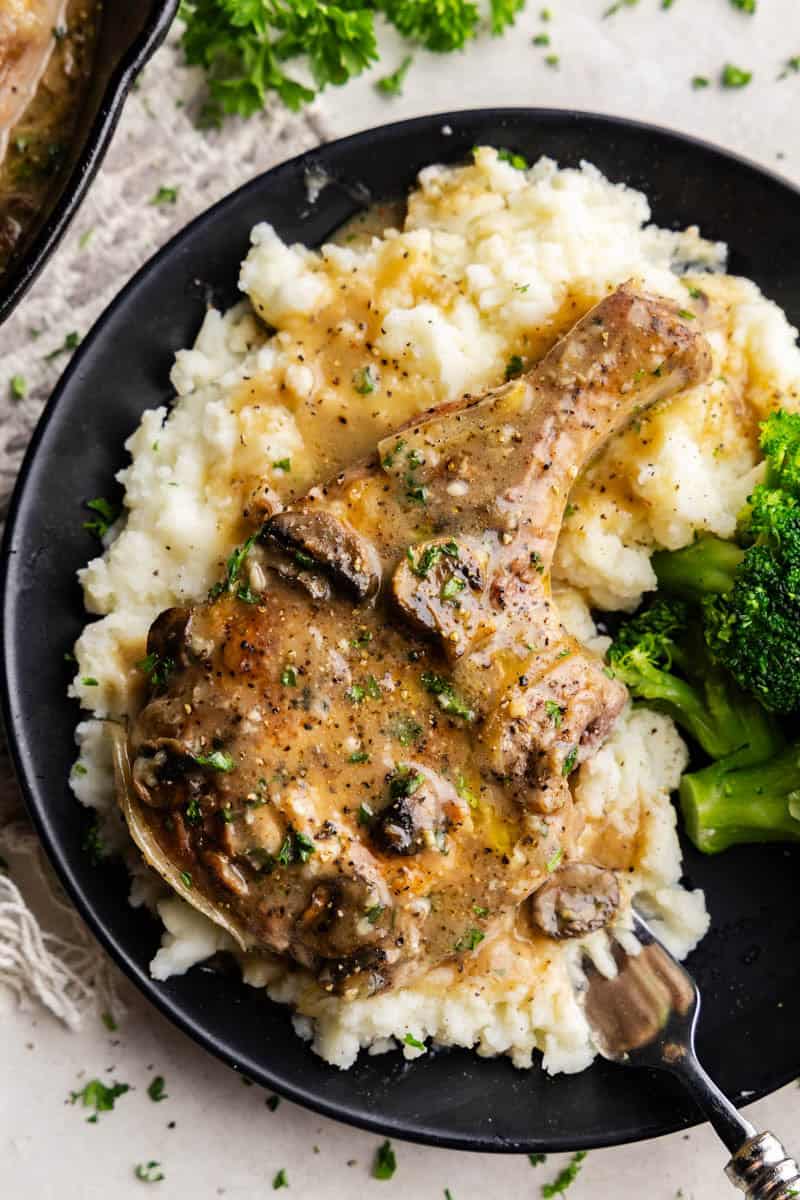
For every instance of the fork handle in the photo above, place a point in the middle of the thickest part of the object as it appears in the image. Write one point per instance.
(763, 1170)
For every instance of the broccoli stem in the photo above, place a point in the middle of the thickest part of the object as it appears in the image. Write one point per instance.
(706, 567)
(725, 804)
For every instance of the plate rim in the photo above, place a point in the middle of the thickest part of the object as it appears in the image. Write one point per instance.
(153, 992)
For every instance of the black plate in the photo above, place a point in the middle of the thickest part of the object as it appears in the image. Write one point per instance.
(130, 30)
(750, 1032)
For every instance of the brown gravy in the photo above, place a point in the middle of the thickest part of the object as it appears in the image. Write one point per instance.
(46, 55)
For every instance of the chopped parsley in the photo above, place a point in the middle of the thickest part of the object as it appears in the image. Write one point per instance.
(687, 314)
(193, 811)
(735, 77)
(388, 459)
(554, 711)
(564, 1178)
(518, 161)
(358, 756)
(404, 783)
(90, 681)
(187, 879)
(365, 380)
(374, 913)
(618, 6)
(365, 813)
(406, 730)
(105, 516)
(503, 13)
(469, 940)
(373, 688)
(217, 760)
(155, 668)
(430, 556)
(355, 694)
(385, 1163)
(465, 792)
(451, 588)
(700, 81)
(283, 464)
(296, 847)
(99, 1096)
(70, 343)
(362, 639)
(542, 39)
(792, 67)
(415, 1043)
(19, 387)
(480, 911)
(289, 677)
(693, 291)
(165, 195)
(233, 568)
(155, 1089)
(392, 85)
(109, 1022)
(446, 696)
(514, 367)
(149, 1172)
(280, 1179)
(554, 859)
(552, 60)
(569, 761)
(747, 6)
(93, 844)
(536, 1160)
(79, 768)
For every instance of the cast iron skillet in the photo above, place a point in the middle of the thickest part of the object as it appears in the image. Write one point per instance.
(130, 30)
(750, 1032)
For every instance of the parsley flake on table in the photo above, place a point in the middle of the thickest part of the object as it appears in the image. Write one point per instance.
(109, 1022)
(149, 1172)
(503, 13)
(564, 1178)
(734, 77)
(618, 6)
(385, 1163)
(536, 1160)
(99, 1096)
(155, 1089)
(19, 387)
(280, 1180)
(165, 195)
(699, 82)
(392, 85)
(747, 6)
(70, 343)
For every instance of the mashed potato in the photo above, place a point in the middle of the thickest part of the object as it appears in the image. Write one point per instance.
(490, 263)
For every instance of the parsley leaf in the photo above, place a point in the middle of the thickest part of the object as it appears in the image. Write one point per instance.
(280, 1180)
(243, 44)
(19, 387)
(735, 77)
(748, 6)
(446, 696)
(70, 343)
(106, 515)
(155, 1089)
(218, 760)
(148, 1172)
(415, 1043)
(99, 1096)
(438, 25)
(392, 85)
(469, 940)
(385, 1163)
(504, 13)
(514, 367)
(165, 195)
(564, 1178)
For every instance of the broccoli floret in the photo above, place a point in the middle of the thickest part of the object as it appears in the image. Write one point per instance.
(724, 803)
(780, 441)
(750, 592)
(659, 654)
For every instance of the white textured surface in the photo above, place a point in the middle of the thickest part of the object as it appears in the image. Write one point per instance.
(226, 1142)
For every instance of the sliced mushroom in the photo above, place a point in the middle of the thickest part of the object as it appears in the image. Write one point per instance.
(439, 588)
(332, 545)
(578, 899)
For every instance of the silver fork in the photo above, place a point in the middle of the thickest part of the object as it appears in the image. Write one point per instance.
(646, 1017)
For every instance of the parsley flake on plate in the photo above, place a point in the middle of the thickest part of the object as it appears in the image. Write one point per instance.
(149, 1172)
(735, 77)
(155, 1089)
(280, 1179)
(165, 195)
